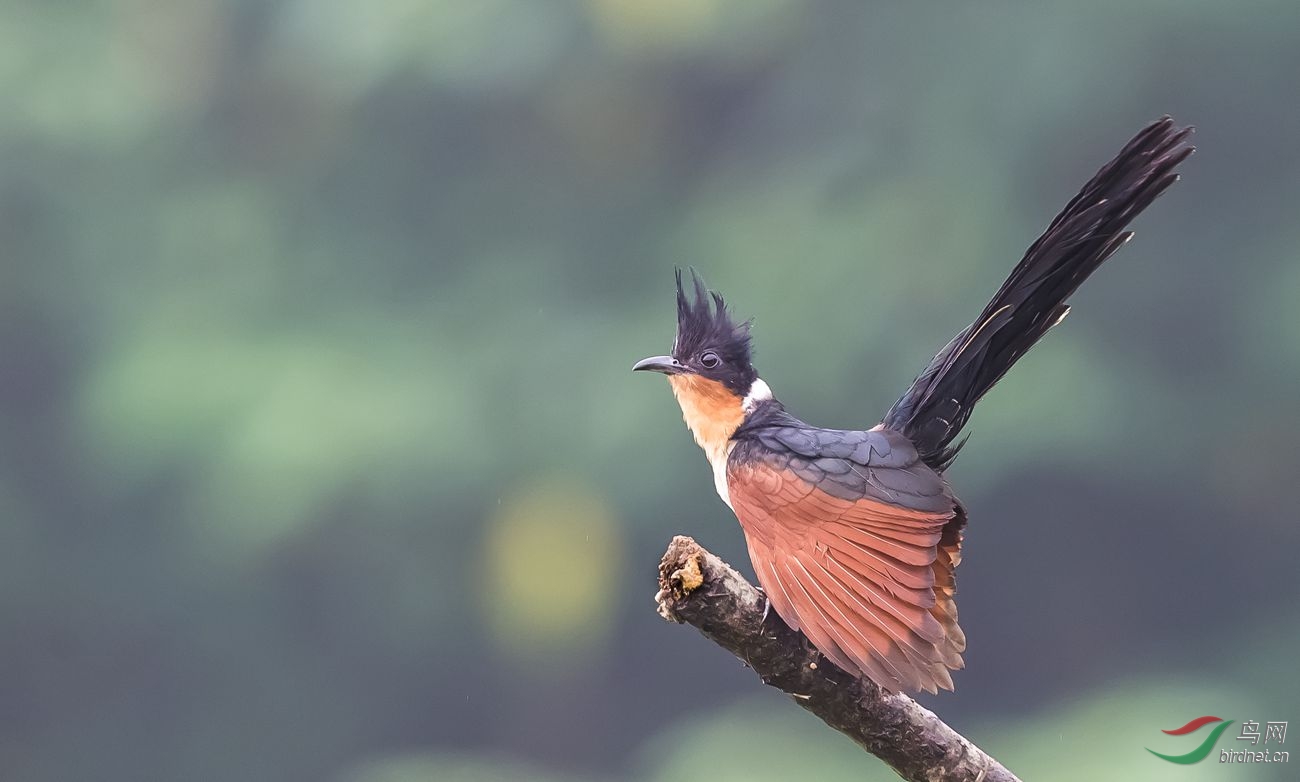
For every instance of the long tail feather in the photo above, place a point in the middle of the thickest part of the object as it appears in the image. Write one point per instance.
(1088, 230)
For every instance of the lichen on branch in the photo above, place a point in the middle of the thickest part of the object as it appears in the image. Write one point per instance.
(699, 589)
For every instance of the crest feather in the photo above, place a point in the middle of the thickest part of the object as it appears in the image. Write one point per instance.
(704, 323)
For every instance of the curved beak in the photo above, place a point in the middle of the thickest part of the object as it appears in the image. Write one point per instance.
(665, 364)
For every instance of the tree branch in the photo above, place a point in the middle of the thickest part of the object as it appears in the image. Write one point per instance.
(699, 589)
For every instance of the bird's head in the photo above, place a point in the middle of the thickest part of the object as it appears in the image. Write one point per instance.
(709, 369)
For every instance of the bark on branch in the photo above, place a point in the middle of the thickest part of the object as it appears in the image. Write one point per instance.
(699, 589)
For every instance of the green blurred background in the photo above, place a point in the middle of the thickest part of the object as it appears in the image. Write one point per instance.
(320, 458)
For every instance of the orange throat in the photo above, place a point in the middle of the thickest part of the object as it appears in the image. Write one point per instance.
(712, 411)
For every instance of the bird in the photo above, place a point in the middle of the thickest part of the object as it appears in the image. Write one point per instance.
(855, 535)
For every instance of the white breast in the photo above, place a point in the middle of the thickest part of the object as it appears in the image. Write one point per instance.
(718, 460)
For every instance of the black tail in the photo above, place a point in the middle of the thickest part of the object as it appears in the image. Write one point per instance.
(1088, 231)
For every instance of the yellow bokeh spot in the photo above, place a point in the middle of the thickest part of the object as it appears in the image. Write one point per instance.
(552, 572)
(635, 24)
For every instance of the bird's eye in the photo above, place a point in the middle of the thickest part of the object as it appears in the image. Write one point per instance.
(710, 360)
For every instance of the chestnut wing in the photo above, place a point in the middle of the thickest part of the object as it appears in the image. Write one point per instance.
(855, 542)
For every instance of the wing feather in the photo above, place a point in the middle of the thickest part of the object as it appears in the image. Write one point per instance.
(869, 582)
(871, 652)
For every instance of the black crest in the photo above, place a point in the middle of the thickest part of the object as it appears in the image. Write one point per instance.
(704, 325)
